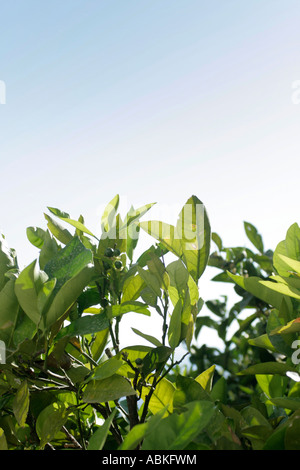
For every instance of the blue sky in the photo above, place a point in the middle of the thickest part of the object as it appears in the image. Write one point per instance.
(153, 100)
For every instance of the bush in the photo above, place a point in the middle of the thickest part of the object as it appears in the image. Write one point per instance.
(65, 382)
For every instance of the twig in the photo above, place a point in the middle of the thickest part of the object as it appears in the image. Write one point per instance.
(171, 367)
(115, 345)
(74, 441)
(165, 314)
(90, 359)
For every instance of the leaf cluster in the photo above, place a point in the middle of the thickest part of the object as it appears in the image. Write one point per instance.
(65, 380)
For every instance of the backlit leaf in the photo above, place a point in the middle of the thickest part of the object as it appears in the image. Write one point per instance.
(111, 388)
(98, 439)
(21, 404)
(50, 421)
(193, 228)
(75, 223)
(254, 236)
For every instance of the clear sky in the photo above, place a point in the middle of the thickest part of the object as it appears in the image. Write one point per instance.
(155, 100)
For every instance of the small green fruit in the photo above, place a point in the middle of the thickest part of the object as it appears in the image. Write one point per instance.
(109, 252)
(139, 362)
(118, 265)
(117, 252)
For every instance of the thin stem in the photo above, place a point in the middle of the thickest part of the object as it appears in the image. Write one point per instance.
(89, 358)
(147, 400)
(74, 441)
(79, 423)
(171, 367)
(117, 330)
(115, 344)
(165, 316)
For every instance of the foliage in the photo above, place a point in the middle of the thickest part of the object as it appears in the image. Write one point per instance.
(66, 383)
(258, 367)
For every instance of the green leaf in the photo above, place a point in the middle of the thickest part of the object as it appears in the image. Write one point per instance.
(254, 237)
(205, 379)
(268, 368)
(219, 390)
(44, 296)
(253, 417)
(157, 268)
(257, 435)
(9, 311)
(289, 247)
(179, 275)
(75, 223)
(111, 388)
(292, 434)
(85, 325)
(7, 262)
(21, 404)
(135, 214)
(188, 390)
(25, 330)
(155, 358)
(133, 353)
(293, 264)
(288, 403)
(293, 282)
(268, 291)
(68, 294)
(140, 431)
(105, 369)
(150, 280)
(99, 343)
(162, 397)
(36, 236)
(133, 438)
(62, 234)
(132, 238)
(126, 307)
(194, 293)
(49, 250)
(179, 283)
(27, 287)
(276, 321)
(272, 385)
(262, 341)
(165, 233)
(50, 421)
(77, 373)
(109, 214)
(291, 327)
(3, 442)
(193, 228)
(132, 288)
(68, 262)
(174, 331)
(276, 440)
(217, 239)
(149, 338)
(98, 439)
(177, 430)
